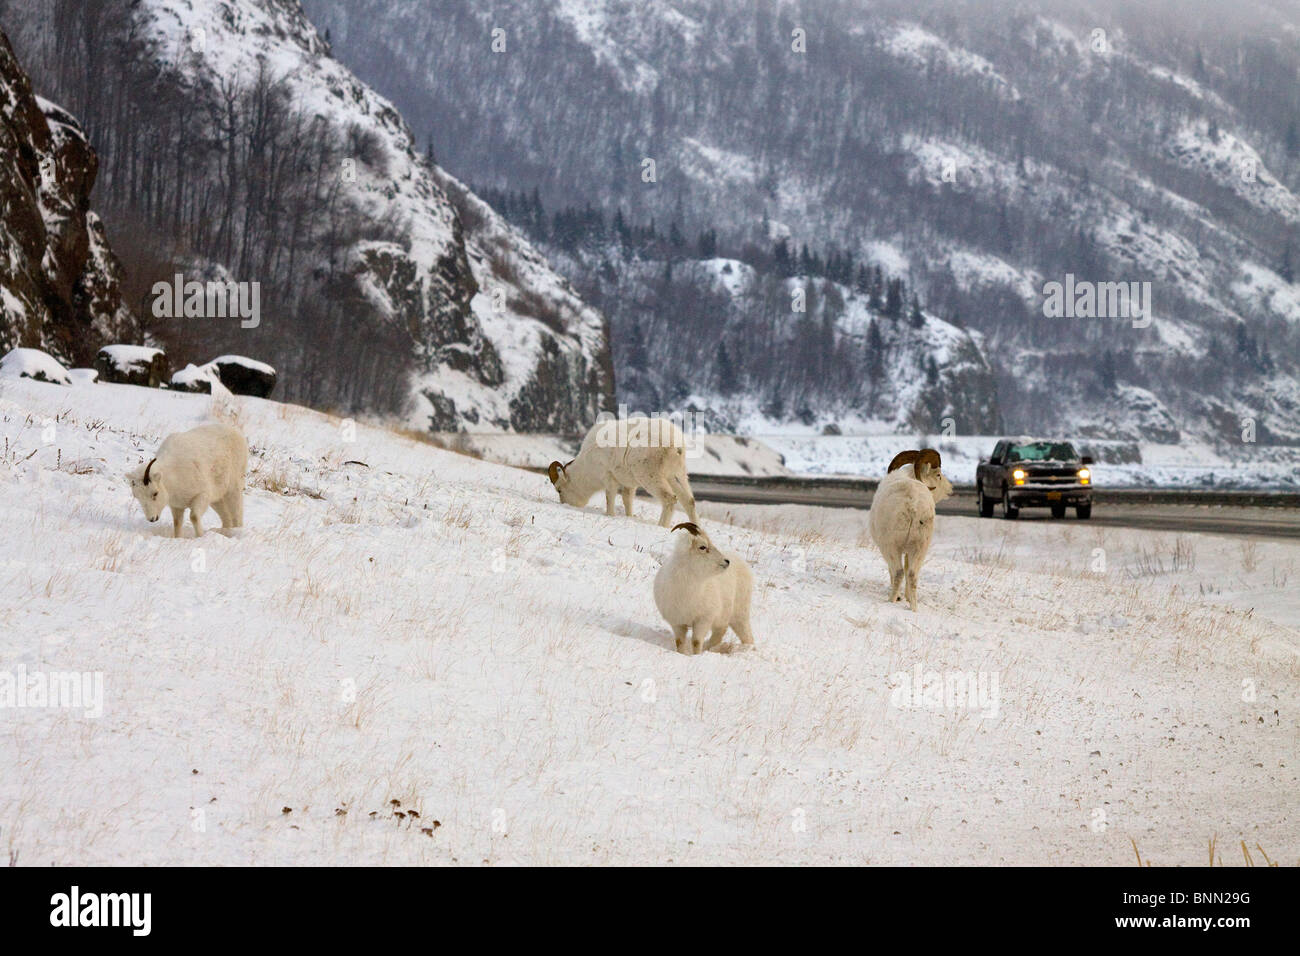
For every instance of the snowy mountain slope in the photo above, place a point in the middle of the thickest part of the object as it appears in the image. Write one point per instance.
(1113, 142)
(893, 372)
(60, 284)
(411, 657)
(394, 249)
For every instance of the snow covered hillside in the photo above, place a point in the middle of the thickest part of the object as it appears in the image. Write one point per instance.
(978, 151)
(388, 286)
(411, 656)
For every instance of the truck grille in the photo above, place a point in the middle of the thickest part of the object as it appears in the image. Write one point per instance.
(1050, 476)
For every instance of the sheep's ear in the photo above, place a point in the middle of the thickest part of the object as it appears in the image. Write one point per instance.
(903, 458)
(690, 526)
(554, 472)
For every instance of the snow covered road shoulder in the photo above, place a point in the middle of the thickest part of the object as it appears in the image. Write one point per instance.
(411, 656)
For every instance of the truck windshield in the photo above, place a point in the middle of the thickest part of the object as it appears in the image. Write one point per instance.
(1042, 451)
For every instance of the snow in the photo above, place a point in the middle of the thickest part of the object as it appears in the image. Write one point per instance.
(1234, 164)
(893, 261)
(972, 269)
(593, 23)
(865, 449)
(34, 364)
(401, 623)
(919, 47)
(201, 373)
(244, 361)
(1265, 289)
(124, 356)
(712, 166)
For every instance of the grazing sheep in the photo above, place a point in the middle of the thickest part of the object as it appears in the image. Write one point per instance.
(706, 589)
(622, 455)
(198, 469)
(902, 516)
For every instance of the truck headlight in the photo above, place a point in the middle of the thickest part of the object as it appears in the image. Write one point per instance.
(1085, 476)
(1019, 476)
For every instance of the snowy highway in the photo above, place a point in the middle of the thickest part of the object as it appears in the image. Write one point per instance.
(1252, 520)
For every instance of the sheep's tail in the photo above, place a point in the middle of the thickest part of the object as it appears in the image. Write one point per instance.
(911, 528)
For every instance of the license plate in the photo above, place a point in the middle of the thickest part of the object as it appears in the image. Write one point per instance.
(1053, 496)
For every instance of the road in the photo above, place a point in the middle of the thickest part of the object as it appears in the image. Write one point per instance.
(1235, 520)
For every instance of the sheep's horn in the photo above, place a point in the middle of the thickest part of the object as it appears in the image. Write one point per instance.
(690, 526)
(146, 470)
(903, 458)
(554, 472)
(927, 457)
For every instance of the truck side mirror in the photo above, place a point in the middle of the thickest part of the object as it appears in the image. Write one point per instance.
(1086, 460)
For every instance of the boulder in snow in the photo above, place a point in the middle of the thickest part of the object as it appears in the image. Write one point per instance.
(132, 365)
(203, 379)
(245, 376)
(34, 364)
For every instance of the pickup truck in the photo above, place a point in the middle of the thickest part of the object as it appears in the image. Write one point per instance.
(1025, 473)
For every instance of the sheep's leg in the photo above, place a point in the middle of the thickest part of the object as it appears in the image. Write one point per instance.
(667, 502)
(178, 519)
(610, 491)
(699, 631)
(223, 512)
(718, 634)
(235, 503)
(743, 630)
(912, 572)
(895, 578)
(629, 495)
(679, 634)
(687, 499)
(198, 508)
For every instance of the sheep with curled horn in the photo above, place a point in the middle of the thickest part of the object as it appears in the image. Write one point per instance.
(902, 517)
(704, 589)
(902, 458)
(199, 469)
(622, 455)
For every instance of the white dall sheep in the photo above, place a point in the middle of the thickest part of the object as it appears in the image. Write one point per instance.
(622, 455)
(706, 589)
(198, 469)
(902, 516)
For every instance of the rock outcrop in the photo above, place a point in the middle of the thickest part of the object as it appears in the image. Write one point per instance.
(60, 284)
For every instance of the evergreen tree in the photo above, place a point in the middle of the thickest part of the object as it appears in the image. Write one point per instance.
(728, 380)
(915, 317)
(894, 299)
(781, 257)
(875, 353)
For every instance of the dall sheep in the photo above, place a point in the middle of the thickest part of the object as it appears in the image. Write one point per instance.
(706, 589)
(622, 455)
(198, 469)
(902, 516)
